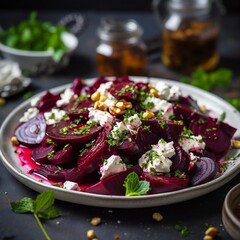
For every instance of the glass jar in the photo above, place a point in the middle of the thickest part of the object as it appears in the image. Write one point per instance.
(121, 51)
(190, 34)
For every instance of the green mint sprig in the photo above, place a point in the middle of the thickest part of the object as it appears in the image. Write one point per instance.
(41, 208)
(135, 187)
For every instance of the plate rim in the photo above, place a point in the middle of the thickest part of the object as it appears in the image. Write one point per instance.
(99, 200)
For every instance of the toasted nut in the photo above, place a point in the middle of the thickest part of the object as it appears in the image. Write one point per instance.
(116, 111)
(154, 92)
(235, 143)
(157, 216)
(102, 98)
(91, 234)
(95, 96)
(2, 101)
(100, 105)
(14, 141)
(211, 231)
(120, 105)
(208, 237)
(150, 85)
(95, 221)
(148, 114)
(203, 108)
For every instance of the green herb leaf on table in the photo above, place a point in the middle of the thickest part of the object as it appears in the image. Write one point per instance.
(220, 78)
(41, 207)
(135, 187)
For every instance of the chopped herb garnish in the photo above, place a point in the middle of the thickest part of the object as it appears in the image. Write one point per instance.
(63, 131)
(183, 230)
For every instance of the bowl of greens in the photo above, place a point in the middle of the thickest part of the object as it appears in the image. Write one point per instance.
(38, 47)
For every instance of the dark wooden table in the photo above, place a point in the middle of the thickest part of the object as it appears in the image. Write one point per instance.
(128, 224)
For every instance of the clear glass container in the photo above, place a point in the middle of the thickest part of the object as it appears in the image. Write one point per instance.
(121, 50)
(190, 34)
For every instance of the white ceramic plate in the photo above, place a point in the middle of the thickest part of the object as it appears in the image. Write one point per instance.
(11, 161)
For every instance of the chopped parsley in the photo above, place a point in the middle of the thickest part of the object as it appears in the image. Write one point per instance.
(183, 230)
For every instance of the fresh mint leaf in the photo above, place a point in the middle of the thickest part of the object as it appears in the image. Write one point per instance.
(44, 201)
(135, 187)
(42, 207)
(23, 206)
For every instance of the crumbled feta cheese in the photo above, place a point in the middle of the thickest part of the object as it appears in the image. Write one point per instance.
(163, 90)
(56, 115)
(119, 131)
(157, 159)
(133, 122)
(192, 143)
(71, 186)
(103, 89)
(66, 97)
(158, 104)
(175, 93)
(110, 101)
(34, 102)
(30, 113)
(105, 119)
(112, 165)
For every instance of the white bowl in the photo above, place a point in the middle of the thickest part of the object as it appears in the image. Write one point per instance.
(37, 62)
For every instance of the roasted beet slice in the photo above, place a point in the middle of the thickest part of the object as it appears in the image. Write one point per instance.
(32, 132)
(124, 90)
(77, 86)
(62, 156)
(217, 141)
(181, 160)
(203, 171)
(161, 183)
(40, 154)
(95, 155)
(144, 139)
(47, 101)
(113, 185)
(129, 147)
(166, 129)
(66, 132)
(78, 109)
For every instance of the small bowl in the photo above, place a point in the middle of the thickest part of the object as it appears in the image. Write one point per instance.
(231, 212)
(37, 62)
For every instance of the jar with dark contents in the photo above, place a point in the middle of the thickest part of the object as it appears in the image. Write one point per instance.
(190, 33)
(121, 50)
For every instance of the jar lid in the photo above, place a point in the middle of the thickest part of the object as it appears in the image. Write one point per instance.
(119, 30)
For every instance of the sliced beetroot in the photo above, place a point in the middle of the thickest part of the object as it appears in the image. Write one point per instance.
(124, 90)
(229, 130)
(161, 183)
(47, 101)
(144, 139)
(113, 185)
(128, 147)
(40, 154)
(78, 109)
(77, 86)
(189, 102)
(94, 156)
(32, 132)
(217, 141)
(122, 79)
(58, 174)
(62, 156)
(166, 129)
(181, 160)
(66, 132)
(203, 171)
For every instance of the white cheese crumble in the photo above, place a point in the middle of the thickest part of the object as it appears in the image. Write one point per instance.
(175, 93)
(30, 113)
(103, 89)
(192, 143)
(54, 116)
(69, 185)
(112, 165)
(103, 118)
(119, 130)
(66, 97)
(163, 106)
(34, 102)
(133, 122)
(163, 90)
(157, 160)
